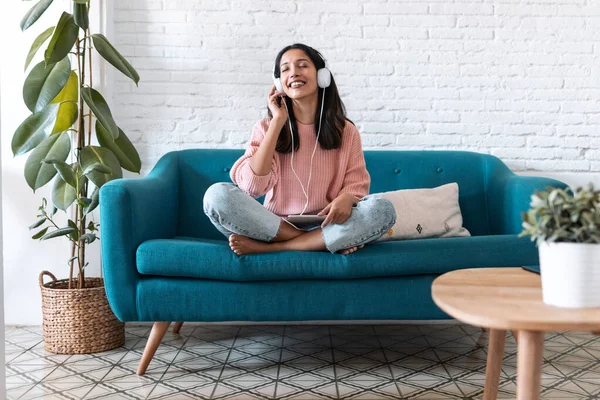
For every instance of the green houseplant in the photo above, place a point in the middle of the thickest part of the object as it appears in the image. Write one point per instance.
(566, 227)
(65, 111)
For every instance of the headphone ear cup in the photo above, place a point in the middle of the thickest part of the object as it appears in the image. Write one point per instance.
(278, 86)
(323, 77)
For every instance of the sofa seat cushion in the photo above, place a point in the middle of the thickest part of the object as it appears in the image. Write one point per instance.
(213, 259)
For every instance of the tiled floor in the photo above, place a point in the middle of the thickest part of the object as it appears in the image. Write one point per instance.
(296, 362)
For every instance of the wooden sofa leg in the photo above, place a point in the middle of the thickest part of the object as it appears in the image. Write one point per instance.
(158, 332)
(177, 327)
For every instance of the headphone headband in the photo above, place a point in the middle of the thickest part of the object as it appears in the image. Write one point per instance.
(316, 51)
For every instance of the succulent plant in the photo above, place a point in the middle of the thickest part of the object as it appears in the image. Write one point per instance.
(561, 215)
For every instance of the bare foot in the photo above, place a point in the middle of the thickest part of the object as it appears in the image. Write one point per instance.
(351, 249)
(244, 245)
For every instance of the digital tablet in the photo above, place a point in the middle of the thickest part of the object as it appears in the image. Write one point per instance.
(532, 268)
(306, 219)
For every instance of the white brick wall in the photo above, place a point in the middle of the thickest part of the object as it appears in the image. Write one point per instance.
(519, 79)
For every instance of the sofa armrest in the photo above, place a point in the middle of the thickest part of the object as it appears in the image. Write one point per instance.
(508, 195)
(131, 212)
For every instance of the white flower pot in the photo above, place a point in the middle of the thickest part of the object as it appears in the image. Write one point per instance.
(570, 274)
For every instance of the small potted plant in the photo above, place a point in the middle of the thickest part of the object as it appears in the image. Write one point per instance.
(566, 228)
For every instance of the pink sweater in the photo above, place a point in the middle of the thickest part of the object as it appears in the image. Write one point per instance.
(334, 172)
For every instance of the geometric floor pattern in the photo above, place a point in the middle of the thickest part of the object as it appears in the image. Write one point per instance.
(211, 361)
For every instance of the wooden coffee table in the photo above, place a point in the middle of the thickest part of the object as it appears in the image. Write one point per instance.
(509, 299)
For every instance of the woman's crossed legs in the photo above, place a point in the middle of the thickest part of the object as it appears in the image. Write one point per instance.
(251, 228)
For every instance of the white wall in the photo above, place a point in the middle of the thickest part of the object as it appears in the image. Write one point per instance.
(25, 258)
(518, 79)
(2, 333)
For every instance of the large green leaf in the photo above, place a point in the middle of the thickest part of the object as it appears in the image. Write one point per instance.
(44, 83)
(98, 167)
(94, 203)
(40, 233)
(63, 39)
(63, 194)
(84, 201)
(122, 148)
(34, 130)
(75, 233)
(38, 173)
(88, 237)
(34, 13)
(80, 15)
(98, 105)
(68, 99)
(91, 155)
(37, 43)
(110, 54)
(38, 223)
(65, 171)
(58, 232)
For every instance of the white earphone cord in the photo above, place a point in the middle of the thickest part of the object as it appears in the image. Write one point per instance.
(313, 153)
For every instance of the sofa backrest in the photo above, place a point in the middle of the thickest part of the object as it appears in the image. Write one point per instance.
(389, 170)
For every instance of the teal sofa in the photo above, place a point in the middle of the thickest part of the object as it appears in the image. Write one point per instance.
(164, 261)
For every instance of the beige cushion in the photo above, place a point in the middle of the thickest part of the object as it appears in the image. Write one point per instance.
(425, 213)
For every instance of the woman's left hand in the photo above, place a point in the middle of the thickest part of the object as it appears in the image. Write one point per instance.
(339, 210)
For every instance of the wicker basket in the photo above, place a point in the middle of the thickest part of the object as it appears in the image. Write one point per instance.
(78, 321)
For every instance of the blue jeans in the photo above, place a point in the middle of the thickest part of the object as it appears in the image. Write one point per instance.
(231, 210)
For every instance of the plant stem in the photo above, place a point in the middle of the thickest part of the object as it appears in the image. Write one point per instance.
(79, 220)
(71, 264)
(89, 127)
(81, 253)
(79, 126)
(50, 219)
(91, 84)
(83, 193)
(82, 230)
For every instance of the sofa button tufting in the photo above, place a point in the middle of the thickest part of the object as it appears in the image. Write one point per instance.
(226, 169)
(397, 171)
(440, 170)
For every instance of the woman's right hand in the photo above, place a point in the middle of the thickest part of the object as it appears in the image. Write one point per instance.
(279, 111)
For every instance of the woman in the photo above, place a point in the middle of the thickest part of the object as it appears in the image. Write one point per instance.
(306, 124)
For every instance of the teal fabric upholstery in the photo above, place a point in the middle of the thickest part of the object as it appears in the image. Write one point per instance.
(391, 298)
(133, 211)
(213, 259)
(164, 261)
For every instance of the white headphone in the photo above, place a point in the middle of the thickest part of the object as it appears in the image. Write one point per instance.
(323, 81)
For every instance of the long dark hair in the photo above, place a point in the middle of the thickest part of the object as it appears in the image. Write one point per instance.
(334, 111)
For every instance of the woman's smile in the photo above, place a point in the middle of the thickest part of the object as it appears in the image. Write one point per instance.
(297, 84)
